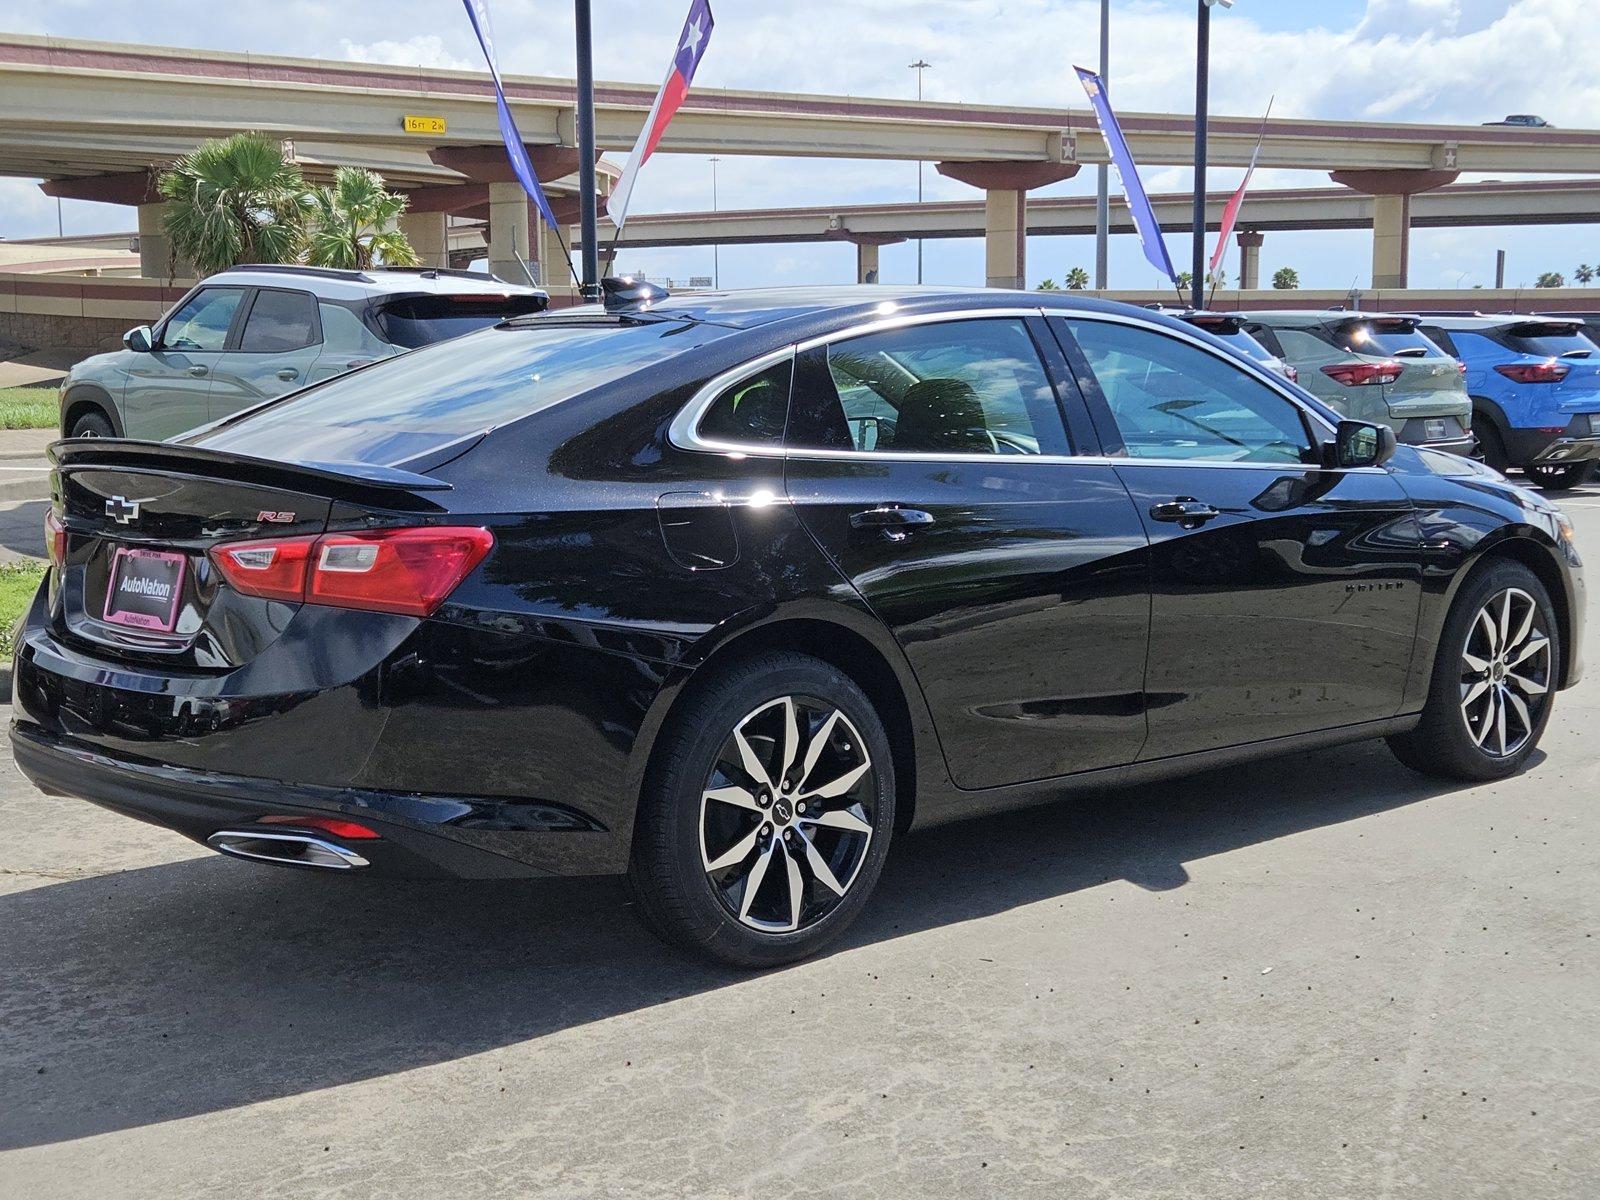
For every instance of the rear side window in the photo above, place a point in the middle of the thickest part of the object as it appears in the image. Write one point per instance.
(422, 320)
(1441, 338)
(343, 333)
(1265, 335)
(1244, 343)
(753, 411)
(949, 387)
(412, 404)
(280, 321)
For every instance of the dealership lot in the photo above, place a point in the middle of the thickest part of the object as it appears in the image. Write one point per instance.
(1321, 976)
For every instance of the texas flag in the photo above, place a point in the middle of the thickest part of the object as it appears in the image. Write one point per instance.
(691, 46)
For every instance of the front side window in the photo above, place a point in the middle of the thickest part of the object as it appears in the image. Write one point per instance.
(280, 321)
(203, 321)
(1172, 400)
(950, 387)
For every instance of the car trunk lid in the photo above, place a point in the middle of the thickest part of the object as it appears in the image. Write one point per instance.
(141, 518)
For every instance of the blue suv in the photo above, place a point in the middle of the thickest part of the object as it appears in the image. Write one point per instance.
(1535, 387)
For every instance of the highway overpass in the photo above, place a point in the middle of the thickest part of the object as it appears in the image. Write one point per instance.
(93, 118)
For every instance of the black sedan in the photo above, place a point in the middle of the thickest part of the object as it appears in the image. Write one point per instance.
(724, 592)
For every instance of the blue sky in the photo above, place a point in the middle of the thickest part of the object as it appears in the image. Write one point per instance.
(1434, 60)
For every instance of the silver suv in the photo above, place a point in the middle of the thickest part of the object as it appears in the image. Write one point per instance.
(254, 332)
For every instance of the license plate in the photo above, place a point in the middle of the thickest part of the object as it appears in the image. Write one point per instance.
(144, 588)
(1594, 423)
(1436, 431)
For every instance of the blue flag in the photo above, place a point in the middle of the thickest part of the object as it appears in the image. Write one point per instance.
(1144, 217)
(478, 12)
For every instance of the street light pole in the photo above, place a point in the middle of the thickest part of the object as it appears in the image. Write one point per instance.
(1102, 197)
(919, 67)
(586, 205)
(716, 258)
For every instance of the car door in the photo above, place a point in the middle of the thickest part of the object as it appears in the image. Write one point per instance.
(1284, 594)
(930, 461)
(273, 353)
(169, 387)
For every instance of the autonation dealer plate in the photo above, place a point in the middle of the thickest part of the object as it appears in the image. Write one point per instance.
(144, 588)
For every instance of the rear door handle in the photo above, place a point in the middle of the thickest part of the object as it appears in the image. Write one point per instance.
(288, 374)
(893, 522)
(197, 371)
(1185, 511)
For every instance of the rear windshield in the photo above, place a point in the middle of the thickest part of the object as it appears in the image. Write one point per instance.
(1547, 341)
(404, 407)
(1398, 339)
(423, 320)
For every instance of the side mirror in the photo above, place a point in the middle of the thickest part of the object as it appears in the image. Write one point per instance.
(1362, 444)
(139, 339)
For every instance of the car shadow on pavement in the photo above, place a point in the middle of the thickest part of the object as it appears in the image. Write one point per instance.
(206, 984)
(22, 527)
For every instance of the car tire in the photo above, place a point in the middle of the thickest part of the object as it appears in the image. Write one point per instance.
(93, 423)
(1560, 479)
(1494, 679)
(1491, 444)
(748, 869)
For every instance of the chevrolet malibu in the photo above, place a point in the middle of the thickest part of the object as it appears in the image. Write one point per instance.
(723, 593)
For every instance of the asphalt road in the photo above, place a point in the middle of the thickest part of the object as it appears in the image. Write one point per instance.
(1317, 977)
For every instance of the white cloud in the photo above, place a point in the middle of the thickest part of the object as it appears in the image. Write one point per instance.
(424, 50)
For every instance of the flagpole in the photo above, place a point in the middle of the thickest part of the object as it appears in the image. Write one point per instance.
(1102, 194)
(1197, 282)
(586, 182)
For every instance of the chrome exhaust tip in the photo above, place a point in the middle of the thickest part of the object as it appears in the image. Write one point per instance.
(293, 849)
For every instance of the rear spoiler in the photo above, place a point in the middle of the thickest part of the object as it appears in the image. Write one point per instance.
(389, 486)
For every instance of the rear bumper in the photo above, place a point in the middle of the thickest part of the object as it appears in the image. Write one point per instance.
(1542, 447)
(199, 804)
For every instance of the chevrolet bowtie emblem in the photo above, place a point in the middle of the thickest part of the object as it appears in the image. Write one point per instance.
(122, 510)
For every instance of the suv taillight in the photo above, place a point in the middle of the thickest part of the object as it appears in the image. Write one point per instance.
(55, 538)
(1360, 374)
(1549, 371)
(408, 571)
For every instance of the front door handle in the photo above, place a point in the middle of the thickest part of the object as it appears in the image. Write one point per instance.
(894, 522)
(288, 374)
(1185, 511)
(198, 371)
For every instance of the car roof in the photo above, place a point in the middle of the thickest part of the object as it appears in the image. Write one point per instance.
(1303, 315)
(374, 283)
(1500, 321)
(820, 309)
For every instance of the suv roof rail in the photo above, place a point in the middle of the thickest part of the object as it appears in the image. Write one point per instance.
(298, 269)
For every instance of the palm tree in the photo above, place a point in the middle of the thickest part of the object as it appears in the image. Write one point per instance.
(1048, 285)
(352, 223)
(1551, 279)
(1077, 279)
(1584, 274)
(233, 200)
(1286, 279)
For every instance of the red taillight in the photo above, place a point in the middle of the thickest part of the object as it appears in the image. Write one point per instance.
(1462, 367)
(408, 571)
(55, 538)
(274, 570)
(349, 830)
(1549, 371)
(1361, 374)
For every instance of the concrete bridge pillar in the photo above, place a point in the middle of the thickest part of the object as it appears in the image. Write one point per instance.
(1006, 186)
(155, 247)
(1250, 258)
(426, 231)
(508, 232)
(867, 245)
(1391, 192)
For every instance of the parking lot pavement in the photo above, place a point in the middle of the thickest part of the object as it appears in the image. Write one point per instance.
(1321, 976)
